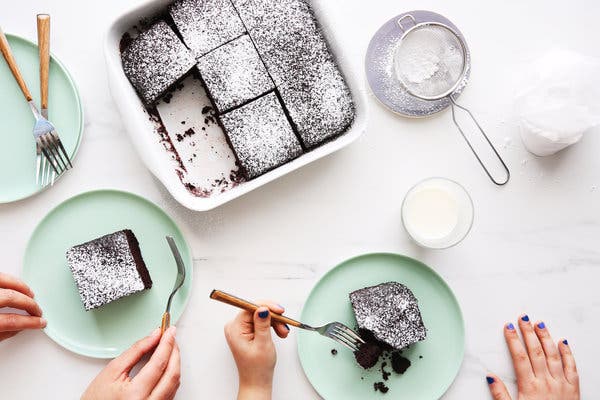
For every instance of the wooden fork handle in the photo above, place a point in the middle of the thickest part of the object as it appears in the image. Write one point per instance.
(12, 64)
(166, 322)
(248, 306)
(43, 30)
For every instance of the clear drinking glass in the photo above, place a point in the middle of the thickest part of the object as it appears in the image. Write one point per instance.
(437, 213)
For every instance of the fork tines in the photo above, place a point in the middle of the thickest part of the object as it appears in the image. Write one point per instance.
(344, 335)
(54, 152)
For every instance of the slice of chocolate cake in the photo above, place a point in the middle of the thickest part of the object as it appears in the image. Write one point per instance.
(294, 49)
(261, 135)
(234, 74)
(108, 268)
(155, 60)
(390, 312)
(206, 24)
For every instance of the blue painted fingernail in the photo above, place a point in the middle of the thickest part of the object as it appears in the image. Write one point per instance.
(525, 318)
(510, 326)
(541, 325)
(565, 342)
(489, 380)
(286, 326)
(263, 314)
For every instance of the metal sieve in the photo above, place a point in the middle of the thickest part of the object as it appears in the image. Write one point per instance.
(431, 63)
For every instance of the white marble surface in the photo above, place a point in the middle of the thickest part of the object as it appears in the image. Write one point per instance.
(534, 246)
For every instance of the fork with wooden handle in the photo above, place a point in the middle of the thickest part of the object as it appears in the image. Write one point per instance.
(166, 318)
(44, 174)
(43, 131)
(334, 330)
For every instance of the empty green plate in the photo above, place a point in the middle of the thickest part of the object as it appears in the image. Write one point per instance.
(17, 152)
(107, 331)
(339, 376)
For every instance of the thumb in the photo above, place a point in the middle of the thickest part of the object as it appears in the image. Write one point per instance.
(126, 361)
(262, 325)
(497, 387)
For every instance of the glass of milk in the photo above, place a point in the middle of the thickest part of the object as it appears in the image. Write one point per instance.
(437, 213)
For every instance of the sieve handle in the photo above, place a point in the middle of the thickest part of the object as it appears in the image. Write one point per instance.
(497, 182)
(402, 18)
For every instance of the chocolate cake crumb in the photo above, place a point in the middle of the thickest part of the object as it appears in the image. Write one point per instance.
(182, 122)
(399, 363)
(189, 132)
(368, 354)
(385, 374)
(420, 357)
(207, 109)
(381, 387)
(126, 40)
(334, 352)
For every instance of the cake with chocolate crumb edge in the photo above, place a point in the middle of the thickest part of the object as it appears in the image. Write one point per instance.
(108, 268)
(155, 60)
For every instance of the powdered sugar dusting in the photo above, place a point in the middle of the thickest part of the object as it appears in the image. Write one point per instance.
(155, 60)
(234, 74)
(206, 24)
(261, 136)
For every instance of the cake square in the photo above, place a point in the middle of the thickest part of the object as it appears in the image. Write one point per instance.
(234, 74)
(108, 268)
(390, 312)
(261, 135)
(295, 51)
(206, 24)
(319, 103)
(155, 60)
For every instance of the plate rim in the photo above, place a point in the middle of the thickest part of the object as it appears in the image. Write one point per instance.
(79, 107)
(108, 354)
(396, 255)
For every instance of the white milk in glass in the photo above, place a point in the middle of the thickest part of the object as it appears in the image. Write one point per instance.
(437, 213)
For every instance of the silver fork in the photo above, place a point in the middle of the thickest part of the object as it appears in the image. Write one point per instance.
(44, 175)
(166, 319)
(44, 132)
(334, 330)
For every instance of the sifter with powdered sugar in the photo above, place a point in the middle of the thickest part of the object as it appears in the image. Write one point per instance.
(431, 62)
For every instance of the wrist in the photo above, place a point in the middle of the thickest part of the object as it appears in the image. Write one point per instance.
(249, 391)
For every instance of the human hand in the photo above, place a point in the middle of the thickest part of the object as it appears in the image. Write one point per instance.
(249, 338)
(16, 294)
(544, 370)
(157, 380)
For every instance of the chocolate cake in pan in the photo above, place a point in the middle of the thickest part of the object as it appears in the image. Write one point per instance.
(234, 74)
(260, 135)
(205, 25)
(294, 49)
(155, 60)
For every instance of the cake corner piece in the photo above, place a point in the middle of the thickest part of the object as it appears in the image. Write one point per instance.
(155, 60)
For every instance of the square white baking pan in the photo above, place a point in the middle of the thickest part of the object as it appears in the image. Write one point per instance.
(147, 140)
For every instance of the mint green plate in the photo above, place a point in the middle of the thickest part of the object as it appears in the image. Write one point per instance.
(108, 330)
(339, 376)
(17, 152)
